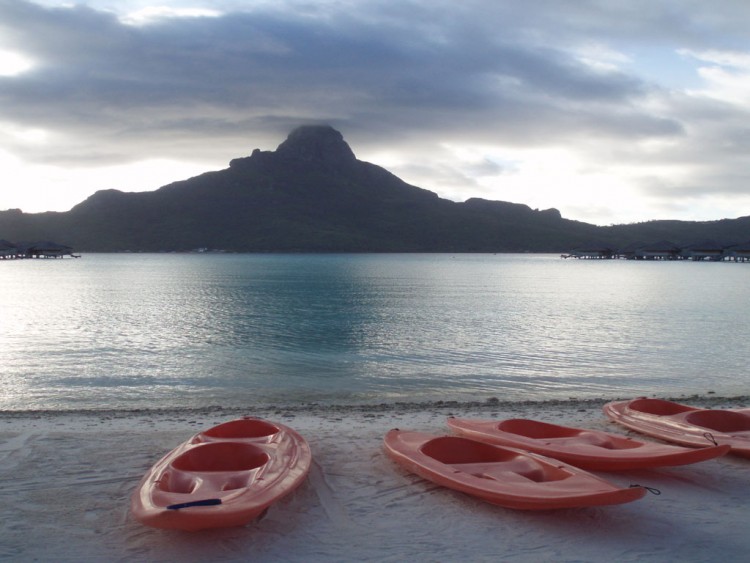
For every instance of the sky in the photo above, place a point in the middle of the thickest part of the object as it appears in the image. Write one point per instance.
(613, 111)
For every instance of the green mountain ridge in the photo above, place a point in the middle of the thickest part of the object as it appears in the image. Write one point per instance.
(313, 195)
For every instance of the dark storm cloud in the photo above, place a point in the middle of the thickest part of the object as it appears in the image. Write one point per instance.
(266, 71)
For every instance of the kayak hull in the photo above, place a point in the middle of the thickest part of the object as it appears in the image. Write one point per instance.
(504, 476)
(225, 476)
(684, 424)
(588, 449)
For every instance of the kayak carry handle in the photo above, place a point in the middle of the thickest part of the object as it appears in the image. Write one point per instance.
(204, 502)
(652, 490)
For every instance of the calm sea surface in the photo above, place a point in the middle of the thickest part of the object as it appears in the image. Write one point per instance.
(139, 331)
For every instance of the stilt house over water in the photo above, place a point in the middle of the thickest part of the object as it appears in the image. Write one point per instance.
(707, 250)
(42, 249)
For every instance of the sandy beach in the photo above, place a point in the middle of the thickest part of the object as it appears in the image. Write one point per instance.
(67, 478)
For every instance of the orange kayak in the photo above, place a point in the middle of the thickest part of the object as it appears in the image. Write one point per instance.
(683, 424)
(225, 476)
(587, 449)
(504, 476)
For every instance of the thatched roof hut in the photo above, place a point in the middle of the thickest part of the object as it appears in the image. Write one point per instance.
(703, 250)
(661, 250)
(738, 252)
(8, 249)
(47, 249)
(594, 250)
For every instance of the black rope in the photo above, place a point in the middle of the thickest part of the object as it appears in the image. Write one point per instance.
(652, 490)
(710, 437)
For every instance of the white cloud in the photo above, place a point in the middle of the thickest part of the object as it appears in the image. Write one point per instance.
(153, 14)
(602, 57)
(35, 188)
(727, 78)
(13, 63)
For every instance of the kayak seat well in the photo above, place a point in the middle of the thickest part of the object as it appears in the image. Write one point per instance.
(177, 482)
(242, 428)
(221, 456)
(489, 462)
(658, 407)
(518, 469)
(454, 449)
(220, 466)
(591, 439)
(535, 429)
(554, 435)
(603, 441)
(719, 420)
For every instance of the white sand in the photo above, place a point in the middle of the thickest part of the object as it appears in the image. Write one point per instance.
(67, 479)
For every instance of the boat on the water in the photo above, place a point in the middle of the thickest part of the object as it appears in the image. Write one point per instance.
(588, 449)
(684, 424)
(225, 476)
(500, 475)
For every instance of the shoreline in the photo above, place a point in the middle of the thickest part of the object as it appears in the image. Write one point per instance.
(703, 400)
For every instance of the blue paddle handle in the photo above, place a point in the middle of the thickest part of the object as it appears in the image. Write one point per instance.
(205, 502)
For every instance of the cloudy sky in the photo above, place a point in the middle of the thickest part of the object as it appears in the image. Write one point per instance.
(611, 111)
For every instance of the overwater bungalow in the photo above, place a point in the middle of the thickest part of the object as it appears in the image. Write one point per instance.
(593, 251)
(629, 252)
(738, 252)
(48, 249)
(661, 250)
(704, 250)
(707, 250)
(8, 250)
(40, 249)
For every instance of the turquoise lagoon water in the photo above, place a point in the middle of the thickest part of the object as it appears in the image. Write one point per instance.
(235, 330)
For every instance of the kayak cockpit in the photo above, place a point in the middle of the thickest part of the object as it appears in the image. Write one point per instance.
(221, 456)
(488, 461)
(215, 466)
(561, 436)
(240, 429)
(727, 422)
(658, 407)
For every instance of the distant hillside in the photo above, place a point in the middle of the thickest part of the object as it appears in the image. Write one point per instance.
(313, 195)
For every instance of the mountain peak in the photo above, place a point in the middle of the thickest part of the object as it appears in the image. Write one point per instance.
(316, 143)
